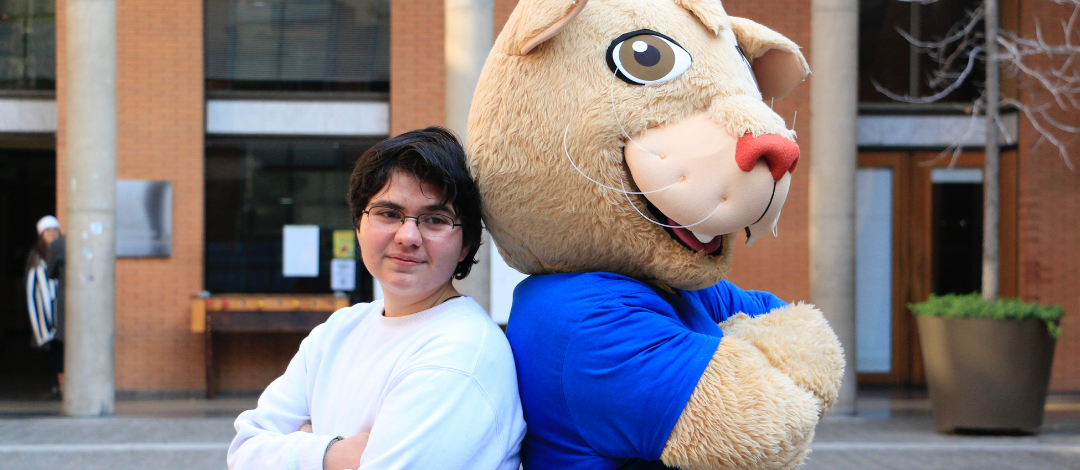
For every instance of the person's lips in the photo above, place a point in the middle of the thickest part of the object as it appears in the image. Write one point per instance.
(406, 259)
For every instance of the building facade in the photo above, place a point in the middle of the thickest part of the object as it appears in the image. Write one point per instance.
(254, 111)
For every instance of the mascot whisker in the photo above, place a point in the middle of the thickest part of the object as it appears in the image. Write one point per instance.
(621, 190)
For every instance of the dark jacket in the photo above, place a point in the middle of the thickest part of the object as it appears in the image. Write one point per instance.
(55, 269)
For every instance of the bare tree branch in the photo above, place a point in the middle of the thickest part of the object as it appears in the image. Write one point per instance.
(939, 95)
(1045, 70)
(1045, 135)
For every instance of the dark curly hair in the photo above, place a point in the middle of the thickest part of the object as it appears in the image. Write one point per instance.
(436, 157)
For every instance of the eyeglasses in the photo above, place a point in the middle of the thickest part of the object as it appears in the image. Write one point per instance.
(388, 219)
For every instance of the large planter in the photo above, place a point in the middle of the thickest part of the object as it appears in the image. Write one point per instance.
(986, 375)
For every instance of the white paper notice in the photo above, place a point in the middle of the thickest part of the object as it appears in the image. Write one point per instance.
(342, 274)
(300, 251)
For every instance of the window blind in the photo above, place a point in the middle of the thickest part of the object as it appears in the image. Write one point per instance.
(331, 41)
(27, 44)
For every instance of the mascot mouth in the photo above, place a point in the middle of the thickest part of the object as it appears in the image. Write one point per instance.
(712, 246)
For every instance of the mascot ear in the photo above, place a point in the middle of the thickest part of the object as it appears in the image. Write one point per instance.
(778, 65)
(536, 21)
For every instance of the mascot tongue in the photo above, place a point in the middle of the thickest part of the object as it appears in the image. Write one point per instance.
(692, 241)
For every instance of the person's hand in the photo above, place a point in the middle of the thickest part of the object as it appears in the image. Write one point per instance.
(345, 454)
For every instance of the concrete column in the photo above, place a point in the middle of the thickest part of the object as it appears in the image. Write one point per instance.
(90, 159)
(470, 32)
(834, 50)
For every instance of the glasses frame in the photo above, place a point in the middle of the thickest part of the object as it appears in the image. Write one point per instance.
(416, 218)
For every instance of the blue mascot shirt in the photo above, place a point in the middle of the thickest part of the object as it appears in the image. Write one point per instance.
(607, 363)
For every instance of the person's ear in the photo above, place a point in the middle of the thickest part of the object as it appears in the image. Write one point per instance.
(536, 21)
(464, 253)
(777, 63)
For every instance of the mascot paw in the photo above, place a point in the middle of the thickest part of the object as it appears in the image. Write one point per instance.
(744, 414)
(799, 342)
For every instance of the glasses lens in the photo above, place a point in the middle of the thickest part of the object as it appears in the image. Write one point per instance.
(435, 224)
(385, 218)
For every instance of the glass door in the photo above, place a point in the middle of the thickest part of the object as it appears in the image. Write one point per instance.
(918, 230)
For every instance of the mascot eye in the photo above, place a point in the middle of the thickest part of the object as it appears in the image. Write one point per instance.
(645, 57)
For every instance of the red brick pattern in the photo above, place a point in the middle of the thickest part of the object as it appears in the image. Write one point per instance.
(502, 12)
(1049, 227)
(160, 137)
(417, 69)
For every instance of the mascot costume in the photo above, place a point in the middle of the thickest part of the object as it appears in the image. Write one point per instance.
(622, 147)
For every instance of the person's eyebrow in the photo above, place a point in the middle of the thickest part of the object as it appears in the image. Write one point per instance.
(438, 207)
(387, 204)
(425, 209)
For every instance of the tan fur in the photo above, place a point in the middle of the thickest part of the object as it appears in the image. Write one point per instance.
(798, 341)
(531, 20)
(743, 414)
(543, 215)
(756, 39)
(710, 12)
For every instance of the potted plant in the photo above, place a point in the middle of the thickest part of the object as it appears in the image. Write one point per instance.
(987, 363)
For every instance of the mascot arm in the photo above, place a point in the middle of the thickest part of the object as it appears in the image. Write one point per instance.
(798, 342)
(744, 413)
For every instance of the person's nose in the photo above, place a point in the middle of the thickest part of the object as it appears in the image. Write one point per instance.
(409, 233)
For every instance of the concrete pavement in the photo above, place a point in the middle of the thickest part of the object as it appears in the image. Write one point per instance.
(898, 433)
(892, 431)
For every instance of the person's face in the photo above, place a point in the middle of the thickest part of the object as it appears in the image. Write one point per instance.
(50, 234)
(404, 262)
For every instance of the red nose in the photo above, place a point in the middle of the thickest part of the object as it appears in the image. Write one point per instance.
(780, 153)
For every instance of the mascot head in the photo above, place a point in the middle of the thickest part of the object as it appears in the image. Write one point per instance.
(632, 136)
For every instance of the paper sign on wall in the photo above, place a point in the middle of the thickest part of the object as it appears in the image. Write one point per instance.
(342, 274)
(344, 244)
(300, 251)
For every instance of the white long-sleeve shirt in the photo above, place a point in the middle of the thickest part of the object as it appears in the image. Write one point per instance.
(436, 389)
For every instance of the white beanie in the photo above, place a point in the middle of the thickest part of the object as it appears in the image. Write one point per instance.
(46, 223)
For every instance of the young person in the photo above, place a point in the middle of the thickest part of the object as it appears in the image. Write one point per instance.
(44, 283)
(421, 379)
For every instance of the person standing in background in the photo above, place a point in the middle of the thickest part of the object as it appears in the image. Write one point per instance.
(45, 294)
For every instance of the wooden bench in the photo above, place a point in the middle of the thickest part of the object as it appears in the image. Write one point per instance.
(254, 313)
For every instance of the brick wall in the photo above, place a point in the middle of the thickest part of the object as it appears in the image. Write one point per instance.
(160, 137)
(1050, 213)
(417, 69)
(502, 12)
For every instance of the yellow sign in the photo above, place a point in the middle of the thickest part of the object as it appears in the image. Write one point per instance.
(344, 244)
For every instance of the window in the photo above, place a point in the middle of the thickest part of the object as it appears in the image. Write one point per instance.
(253, 189)
(298, 45)
(27, 45)
(886, 57)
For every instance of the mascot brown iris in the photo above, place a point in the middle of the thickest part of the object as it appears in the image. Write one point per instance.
(621, 148)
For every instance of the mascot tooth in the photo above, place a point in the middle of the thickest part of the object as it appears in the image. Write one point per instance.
(621, 147)
(703, 238)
